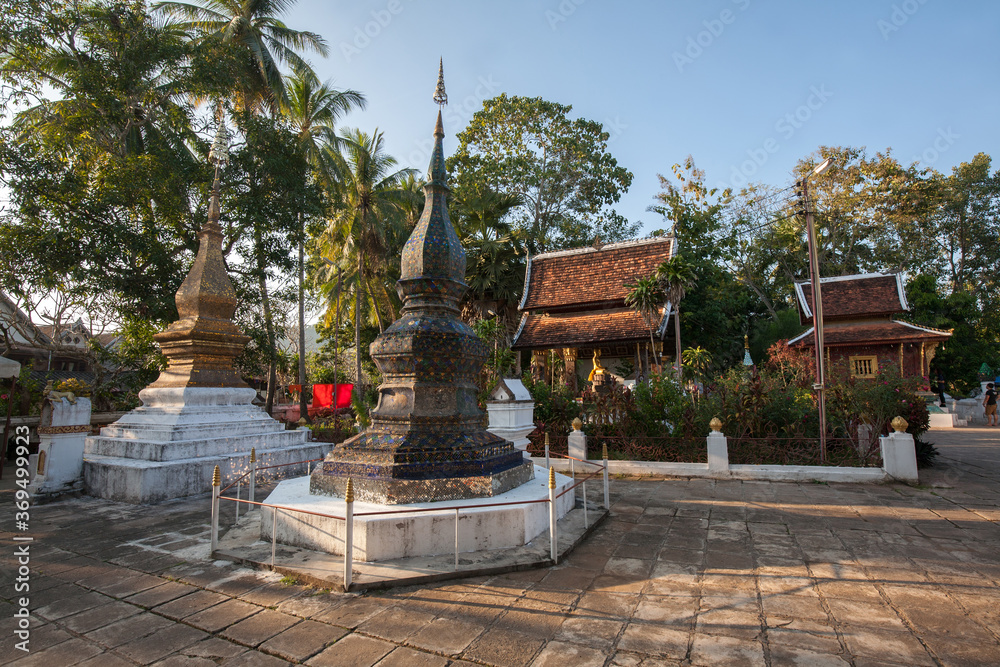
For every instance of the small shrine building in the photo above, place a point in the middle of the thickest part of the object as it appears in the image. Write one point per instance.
(573, 305)
(860, 325)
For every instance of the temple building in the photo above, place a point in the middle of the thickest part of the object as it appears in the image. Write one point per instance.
(860, 325)
(574, 311)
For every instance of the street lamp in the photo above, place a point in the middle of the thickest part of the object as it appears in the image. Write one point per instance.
(817, 300)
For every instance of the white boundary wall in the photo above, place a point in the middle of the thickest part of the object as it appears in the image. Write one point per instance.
(898, 456)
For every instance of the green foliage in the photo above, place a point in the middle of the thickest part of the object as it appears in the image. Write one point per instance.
(494, 251)
(27, 396)
(555, 409)
(559, 168)
(500, 361)
(976, 334)
(646, 297)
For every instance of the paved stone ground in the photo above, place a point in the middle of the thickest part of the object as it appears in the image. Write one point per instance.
(684, 572)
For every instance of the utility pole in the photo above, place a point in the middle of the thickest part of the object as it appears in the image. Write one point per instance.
(817, 304)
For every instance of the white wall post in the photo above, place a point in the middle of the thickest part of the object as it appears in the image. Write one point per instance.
(899, 453)
(577, 447)
(718, 448)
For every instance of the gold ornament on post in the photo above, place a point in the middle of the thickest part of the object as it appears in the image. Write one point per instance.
(349, 492)
(216, 476)
(552, 478)
(899, 424)
(577, 424)
(715, 424)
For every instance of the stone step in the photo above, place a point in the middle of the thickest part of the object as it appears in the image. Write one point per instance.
(150, 450)
(146, 482)
(179, 433)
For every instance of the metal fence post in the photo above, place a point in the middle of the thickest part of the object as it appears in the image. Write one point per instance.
(253, 474)
(236, 518)
(274, 533)
(216, 482)
(456, 538)
(607, 500)
(586, 521)
(553, 541)
(547, 464)
(349, 535)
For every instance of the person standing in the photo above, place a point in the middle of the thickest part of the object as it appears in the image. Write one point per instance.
(990, 403)
(940, 385)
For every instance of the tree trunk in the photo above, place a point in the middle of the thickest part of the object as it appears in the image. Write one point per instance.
(358, 295)
(269, 327)
(303, 403)
(677, 341)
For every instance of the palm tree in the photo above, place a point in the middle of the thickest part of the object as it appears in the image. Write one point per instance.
(313, 110)
(367, 221)
(495, 272)
(676, 276)
(266, 41)
(646, 297)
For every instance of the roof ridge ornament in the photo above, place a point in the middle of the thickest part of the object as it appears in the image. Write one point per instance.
(440, 96)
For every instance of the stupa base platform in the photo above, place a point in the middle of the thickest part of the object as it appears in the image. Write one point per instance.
(405, 534)
(242, 544)
(169, 447)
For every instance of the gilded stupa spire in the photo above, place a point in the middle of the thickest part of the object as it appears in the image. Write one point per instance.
(201, 345)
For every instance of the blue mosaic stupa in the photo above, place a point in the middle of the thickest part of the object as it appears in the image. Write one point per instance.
(427, 441)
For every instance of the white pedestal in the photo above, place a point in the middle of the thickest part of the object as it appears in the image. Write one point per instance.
(512, 413)
(899, 456)
(168, 447)
(406, 534)
(718, 452)
(60, 450)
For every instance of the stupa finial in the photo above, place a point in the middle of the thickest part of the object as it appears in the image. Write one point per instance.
(218, 155)
(440, 96)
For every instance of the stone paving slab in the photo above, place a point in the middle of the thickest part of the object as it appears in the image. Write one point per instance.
(682, 572)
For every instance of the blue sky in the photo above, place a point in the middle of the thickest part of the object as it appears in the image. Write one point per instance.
(746, 87)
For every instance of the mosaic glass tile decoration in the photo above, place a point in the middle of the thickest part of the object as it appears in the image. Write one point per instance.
(427, 440)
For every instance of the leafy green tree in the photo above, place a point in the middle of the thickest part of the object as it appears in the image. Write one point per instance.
(102, 178)
(494, 252)
(718, 308)
(366, 227)
(558, 167)
(263, 42)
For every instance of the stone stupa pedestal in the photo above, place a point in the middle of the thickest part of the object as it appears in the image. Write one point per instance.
(198, 413)
(168, 447)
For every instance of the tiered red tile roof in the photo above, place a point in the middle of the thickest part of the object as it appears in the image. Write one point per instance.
(853, 297)
(891, 331)
(586, 277)
(581, 329)
(577, 297)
